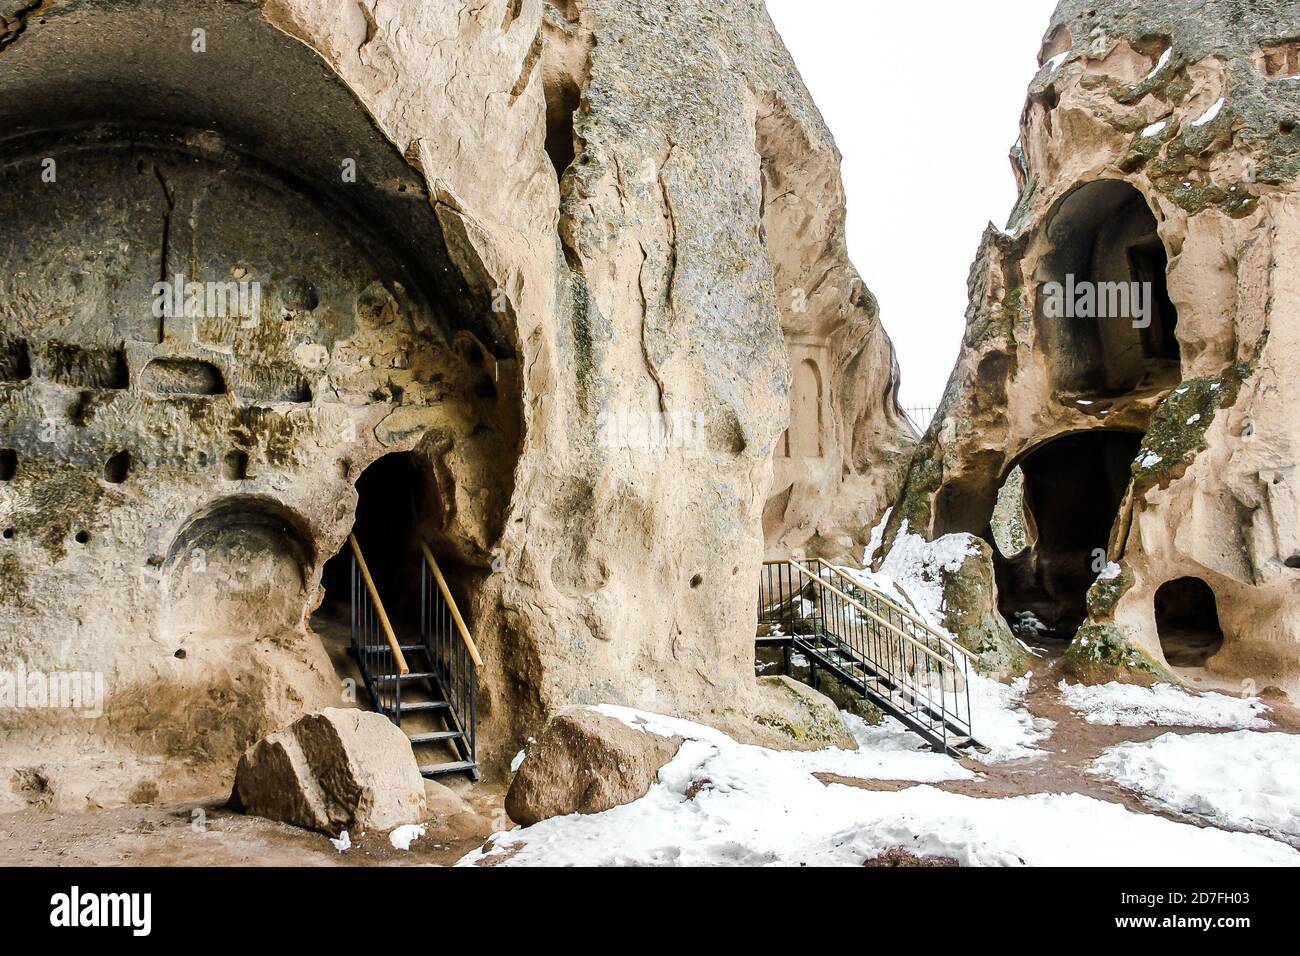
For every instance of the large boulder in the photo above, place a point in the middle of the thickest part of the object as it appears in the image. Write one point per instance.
(332, 771)
(586, 762)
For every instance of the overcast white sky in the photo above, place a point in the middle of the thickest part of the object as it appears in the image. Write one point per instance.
(924, 102)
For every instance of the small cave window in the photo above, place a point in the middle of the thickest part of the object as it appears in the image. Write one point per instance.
(117, 468)
(562, 100)
(234, 467)
(1187, 621)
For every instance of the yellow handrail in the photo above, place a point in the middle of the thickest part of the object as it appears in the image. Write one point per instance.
(889, 625)
(393, 644)
(451, 605)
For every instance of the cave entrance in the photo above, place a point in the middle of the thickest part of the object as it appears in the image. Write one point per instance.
(1187, 622)
(1103, 308)
(1056, 511)
(389, 505)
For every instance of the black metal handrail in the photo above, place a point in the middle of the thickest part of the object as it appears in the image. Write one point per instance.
(890, 653)
(371, 643)
(451, 651)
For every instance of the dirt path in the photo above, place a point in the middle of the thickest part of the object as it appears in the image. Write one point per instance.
(1071, 749)
(207, 834)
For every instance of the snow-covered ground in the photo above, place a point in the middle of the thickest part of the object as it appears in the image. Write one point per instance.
(723, 803)
(1164, 705)
(1245, 780)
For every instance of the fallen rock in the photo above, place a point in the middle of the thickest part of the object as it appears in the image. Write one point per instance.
(331, 771)
(586, 762)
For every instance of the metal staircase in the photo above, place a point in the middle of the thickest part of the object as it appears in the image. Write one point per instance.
(427, 686)
(872, 644)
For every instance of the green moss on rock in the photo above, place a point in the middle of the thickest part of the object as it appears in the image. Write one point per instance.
(1101, 653)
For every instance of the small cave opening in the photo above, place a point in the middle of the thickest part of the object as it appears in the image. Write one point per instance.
(117, 468)
(1103, 309)
(1052, 531)
(562, 100)
(8, 464)
(1187, 622)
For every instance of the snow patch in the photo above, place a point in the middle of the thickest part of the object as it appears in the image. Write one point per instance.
(1149, 460)
(1160, 64)
(1110, 572)
(1193, 420)
(1054, 64)
(1164, 705)
(405, 835)
(1209, 114)
(718, 802)
(1244, 779)
(1001, 722)
(1155, 129)
(877, 537)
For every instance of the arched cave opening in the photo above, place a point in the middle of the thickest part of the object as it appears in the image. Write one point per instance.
(1187, 622)
(1103, 308)
(1071, 491)
(390, 503)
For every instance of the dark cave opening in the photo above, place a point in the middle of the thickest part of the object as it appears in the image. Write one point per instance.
(389, 502)
(1104, 311)
(1073, 487)
(1187, 621)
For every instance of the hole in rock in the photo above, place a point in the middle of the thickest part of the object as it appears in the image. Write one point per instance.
(182, 377)
(562, 100)
(8, 464)
(117, 468)
(9, 533)
(15, 362)
(1071, 490)
(1103, 309)
(1187, 620)
(234, 467)
(81, 537)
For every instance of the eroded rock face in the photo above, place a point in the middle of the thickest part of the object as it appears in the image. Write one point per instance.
(500, 228)
(1157, 437)
(586, 762)
(333, 771)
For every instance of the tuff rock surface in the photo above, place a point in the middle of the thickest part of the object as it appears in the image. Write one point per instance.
(333, 771)
(1158, 145)
(585, 762)
(570, 259)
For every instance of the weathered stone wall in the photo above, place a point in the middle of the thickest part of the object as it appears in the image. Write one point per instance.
(495, 283)
(1193, 108)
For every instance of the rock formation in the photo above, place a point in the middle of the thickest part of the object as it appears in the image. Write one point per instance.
(527, 280)
(333, 771)
(585, 762)
(1127, 346)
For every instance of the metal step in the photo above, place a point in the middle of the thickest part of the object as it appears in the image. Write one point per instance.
(413, 675)
(455, 766)
(412, 706)
(434, 736)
